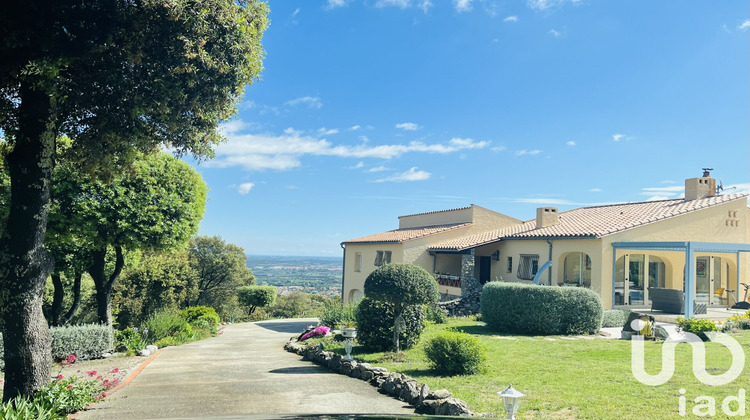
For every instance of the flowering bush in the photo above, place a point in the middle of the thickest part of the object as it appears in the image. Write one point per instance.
(319, 331)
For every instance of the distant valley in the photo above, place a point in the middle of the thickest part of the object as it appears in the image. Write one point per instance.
(289, 273)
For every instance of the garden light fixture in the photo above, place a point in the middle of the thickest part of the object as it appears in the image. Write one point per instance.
(511, 401)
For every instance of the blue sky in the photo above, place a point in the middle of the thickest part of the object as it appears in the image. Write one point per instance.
(371, 109)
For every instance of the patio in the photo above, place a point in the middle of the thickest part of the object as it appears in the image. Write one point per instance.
(718, 313)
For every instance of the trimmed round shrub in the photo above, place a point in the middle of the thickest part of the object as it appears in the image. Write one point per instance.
(540, 310)
(613, 319)
(455, 353)
(375, 325)
(204, 313)
(402, 284)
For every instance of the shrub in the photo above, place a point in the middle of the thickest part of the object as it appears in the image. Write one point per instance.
(24, 409)
(455, 353)
(436, 315)
(130, 340)
(696, 326)
(163, 324)
(256, 296)
(335, 313)
(375, 325)
(85, 341)
(614, 318)
(541, 310)
(202, 317)
(402, 285)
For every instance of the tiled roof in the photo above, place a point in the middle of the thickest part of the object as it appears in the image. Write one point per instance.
(402, 235)
(437, 211)
(593, 222)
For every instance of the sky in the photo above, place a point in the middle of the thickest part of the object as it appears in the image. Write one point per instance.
(367, 110)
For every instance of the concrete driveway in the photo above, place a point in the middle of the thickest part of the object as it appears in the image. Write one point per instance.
(243, 372)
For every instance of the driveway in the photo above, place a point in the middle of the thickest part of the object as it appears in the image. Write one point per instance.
(243, 372)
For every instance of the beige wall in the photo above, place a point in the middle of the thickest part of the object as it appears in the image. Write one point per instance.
(355, 280)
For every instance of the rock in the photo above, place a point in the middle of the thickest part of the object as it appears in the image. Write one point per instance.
(144, 353)
(428, 406)
(628, 327)
(453, 407)
(388, 387)
(410, 393)
(423, 393)
(440, 394)
(152, 348)
(377, 381)
(367, 375)
(379, 369)
(660, 333)
(106, 355)
(365, 366)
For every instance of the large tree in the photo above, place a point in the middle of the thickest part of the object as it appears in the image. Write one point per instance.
(221, 268)
(155, 205)
(117, 76)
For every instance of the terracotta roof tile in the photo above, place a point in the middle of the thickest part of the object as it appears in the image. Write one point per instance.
(408, 234)
(593, 222)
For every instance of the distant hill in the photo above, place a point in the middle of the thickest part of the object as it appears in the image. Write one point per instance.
(309, 274)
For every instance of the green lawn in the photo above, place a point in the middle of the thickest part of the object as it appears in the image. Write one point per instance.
(571, 379)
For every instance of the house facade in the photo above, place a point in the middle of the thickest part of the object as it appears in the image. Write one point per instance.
(618, 250)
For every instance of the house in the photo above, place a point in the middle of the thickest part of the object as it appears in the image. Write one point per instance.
(617, 250)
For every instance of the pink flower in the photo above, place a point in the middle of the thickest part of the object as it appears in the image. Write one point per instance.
(104, 395)
(59, 377)
(99, 377)
(71, 359)
(115, 370)
(91, 373)
(70, 386)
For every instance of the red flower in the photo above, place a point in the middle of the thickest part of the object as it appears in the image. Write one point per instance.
(104, 395)
(115, 370)
(59, 377)
(91, 373)
(70, 359)
(70, 386)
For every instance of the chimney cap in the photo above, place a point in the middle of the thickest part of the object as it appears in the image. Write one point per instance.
(707, 172)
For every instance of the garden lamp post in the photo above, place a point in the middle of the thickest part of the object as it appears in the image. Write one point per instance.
(511, 401)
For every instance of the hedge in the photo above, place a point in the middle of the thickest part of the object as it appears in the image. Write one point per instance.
(540, 310)
(614, 319)
(455, 353)
(85, 341)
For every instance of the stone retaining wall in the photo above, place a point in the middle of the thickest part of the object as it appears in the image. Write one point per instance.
(396, 385)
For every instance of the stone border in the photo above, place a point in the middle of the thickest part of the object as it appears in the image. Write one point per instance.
(396, 385)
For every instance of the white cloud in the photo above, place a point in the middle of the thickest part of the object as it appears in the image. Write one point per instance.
(310, 101)
(663, 193)
(570, 143)
(737, 188)
(327, 132)
(245, 188)
(380, 168)
(404, 4)
(744, 26)
(462, 5)
(547, 201)
(595, 190)
(411, 175)
(359, 165)
(556, 34)
(332, 4)
(511, 19)
(619, 136)
(260, 151)
(543, 5)
(408, 126)
(294, 16)
(355, 127)
(528, 152)
(397, 3)
(499, 149)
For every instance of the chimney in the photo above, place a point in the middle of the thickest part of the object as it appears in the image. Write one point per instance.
(546, 216)
(702, 187)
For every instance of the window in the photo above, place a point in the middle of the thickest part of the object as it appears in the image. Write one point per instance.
(358, 261)
(382, 257)
(510, 264)
(528, 266)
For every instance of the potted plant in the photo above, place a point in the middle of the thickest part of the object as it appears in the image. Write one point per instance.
(348, 329)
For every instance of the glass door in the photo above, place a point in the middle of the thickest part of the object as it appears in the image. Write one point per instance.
(703, 289)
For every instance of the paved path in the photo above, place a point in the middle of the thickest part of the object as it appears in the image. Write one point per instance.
(244, 371)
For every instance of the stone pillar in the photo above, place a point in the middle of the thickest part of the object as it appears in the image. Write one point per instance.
(467, 271)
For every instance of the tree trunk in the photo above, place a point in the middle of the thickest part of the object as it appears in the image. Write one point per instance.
(24, 262)
(76, 298)
(57, 299)
(103, 283)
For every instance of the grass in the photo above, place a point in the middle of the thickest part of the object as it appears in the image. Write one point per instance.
(570, 379)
